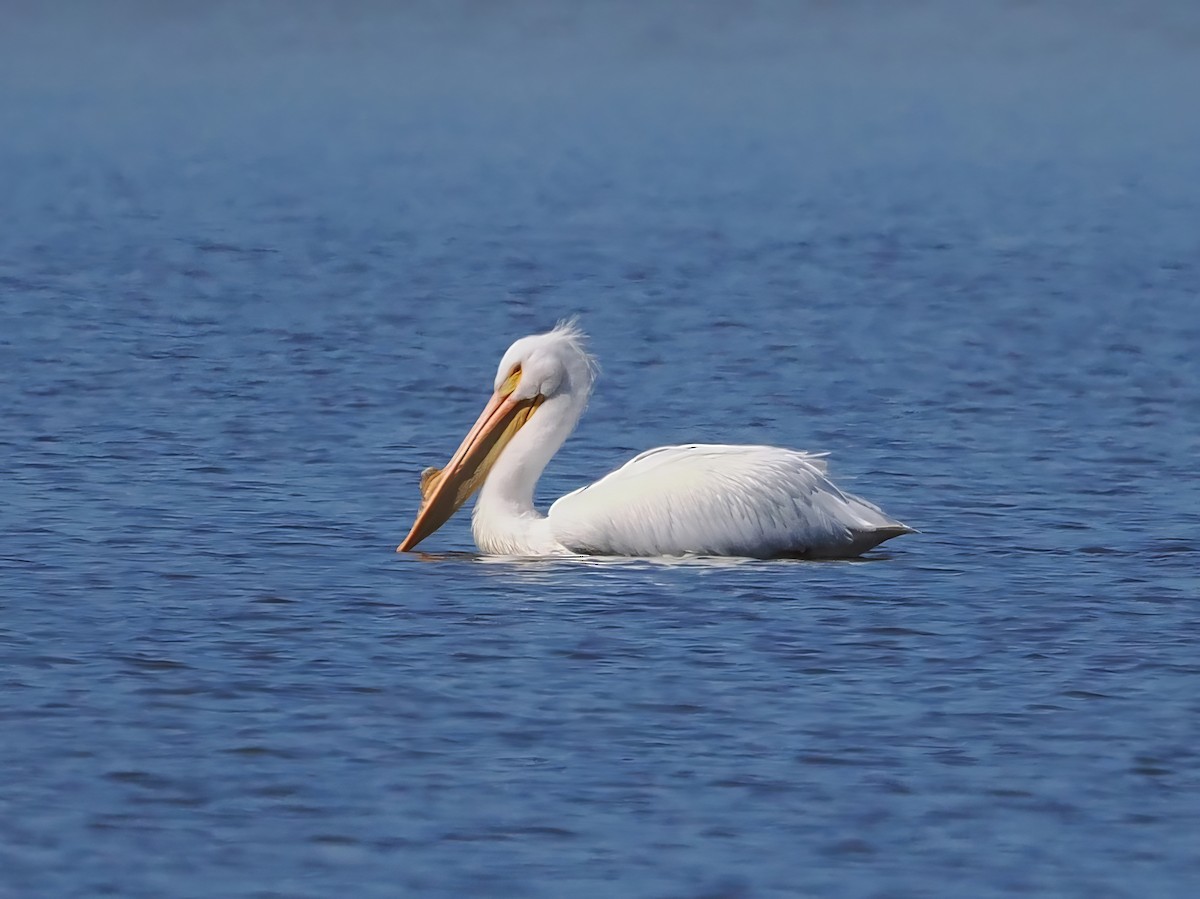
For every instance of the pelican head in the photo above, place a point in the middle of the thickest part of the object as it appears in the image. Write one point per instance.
(551, 372)
(548, 365)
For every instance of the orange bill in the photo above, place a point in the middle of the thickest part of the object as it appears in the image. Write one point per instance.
(444, 491)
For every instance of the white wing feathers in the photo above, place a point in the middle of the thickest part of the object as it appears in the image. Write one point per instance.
(719, 500)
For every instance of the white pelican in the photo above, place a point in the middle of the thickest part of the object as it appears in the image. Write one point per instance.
(758, 501)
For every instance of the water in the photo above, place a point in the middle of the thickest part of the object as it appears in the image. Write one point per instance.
(257, 267)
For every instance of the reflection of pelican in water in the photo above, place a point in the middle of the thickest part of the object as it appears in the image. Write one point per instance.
(759, 501)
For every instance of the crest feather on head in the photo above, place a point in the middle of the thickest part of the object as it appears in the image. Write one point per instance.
(568, 329)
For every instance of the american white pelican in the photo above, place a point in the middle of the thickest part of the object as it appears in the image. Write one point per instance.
(759, 501)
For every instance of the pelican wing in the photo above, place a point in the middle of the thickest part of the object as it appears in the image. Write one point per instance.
(760, 501)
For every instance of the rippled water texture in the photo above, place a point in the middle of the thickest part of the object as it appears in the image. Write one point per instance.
(257, 265)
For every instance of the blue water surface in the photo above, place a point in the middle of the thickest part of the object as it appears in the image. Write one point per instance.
(258, 263)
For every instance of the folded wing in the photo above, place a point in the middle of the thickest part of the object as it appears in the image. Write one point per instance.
(759, 501)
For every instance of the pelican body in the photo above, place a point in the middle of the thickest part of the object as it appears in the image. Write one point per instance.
(702, 499)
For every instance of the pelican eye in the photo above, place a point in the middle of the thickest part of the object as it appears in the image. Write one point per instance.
(511, 382)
